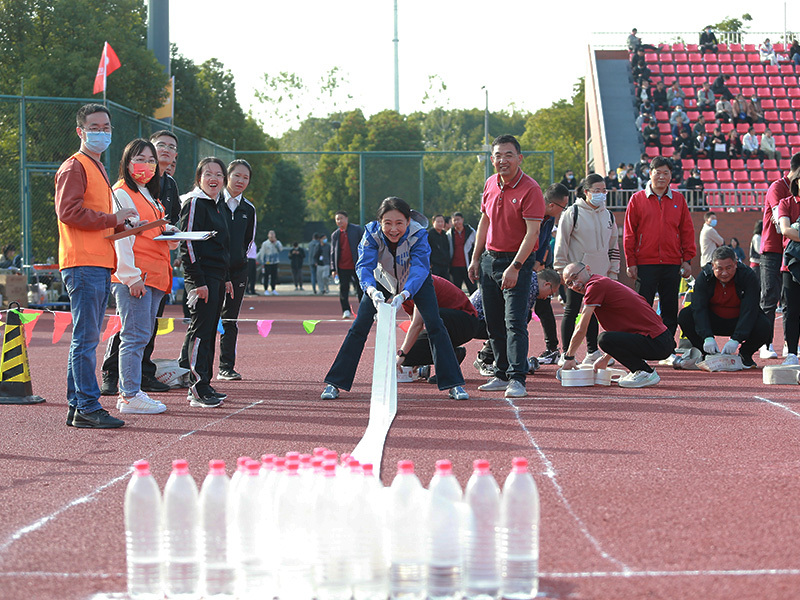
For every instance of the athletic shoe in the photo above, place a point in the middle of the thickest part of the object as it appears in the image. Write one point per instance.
(785, 350)
(670, 361)
(688, 360)
(533, 365)
(98, 419)
(219, 395)
(70, 415)
(266, 292)
(275, 293)
(347, 315)
(151, 384)
(748, 362)
(203, 400)
(331, 392)
(549, 357)
(458, 393)
(495, 384)
(791, 359)
(515, 389)
(767, 352)
(424, 372)
(590, 358)
(228, 375)
(485, 369)
(639, 379)
(561, 360)
(140, 404)
(109, 385)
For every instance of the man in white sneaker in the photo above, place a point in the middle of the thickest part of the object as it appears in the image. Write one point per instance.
(633, 332)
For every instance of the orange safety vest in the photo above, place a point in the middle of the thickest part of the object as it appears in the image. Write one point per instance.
(150, 256)
(82, 247)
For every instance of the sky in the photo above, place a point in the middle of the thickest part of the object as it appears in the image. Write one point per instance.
(525, 56)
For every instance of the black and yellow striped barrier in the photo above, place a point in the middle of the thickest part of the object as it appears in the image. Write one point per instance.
(15, 376)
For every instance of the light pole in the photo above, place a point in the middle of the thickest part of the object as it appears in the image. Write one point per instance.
(396, 63)
(487, 149)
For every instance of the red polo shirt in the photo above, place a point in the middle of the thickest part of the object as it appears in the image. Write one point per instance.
(619, 308)
(459, 258)
(771, 239)
(787, 207)
(345, 256)
(447, 296)
(725, 301)
(508, 207)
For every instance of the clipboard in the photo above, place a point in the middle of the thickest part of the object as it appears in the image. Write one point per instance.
(137, 230)
(186, 236)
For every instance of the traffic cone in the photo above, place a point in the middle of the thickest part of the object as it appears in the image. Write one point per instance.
(15, 377)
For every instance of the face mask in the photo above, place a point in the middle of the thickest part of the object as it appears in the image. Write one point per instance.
(713, 222)
(570, 177)
(143, 172)
(597, 200)
(97, 141)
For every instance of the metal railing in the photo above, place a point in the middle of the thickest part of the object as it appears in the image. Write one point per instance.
(609, 40)
(718, 199)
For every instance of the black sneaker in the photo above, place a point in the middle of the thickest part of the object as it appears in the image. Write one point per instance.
(228, 375)
(98, 419)
(109, 385)
(214, 392)
(70, 415)
(204, 399)
(549, 357)
(533, 365)
(748, 362)
(151, 384)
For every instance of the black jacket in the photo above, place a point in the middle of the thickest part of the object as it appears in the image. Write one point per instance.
(748, 288)
(241, 231)
(170, 199)
(440, 248)
(210, 257)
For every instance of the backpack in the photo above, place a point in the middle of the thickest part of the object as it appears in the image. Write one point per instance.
(575, 217)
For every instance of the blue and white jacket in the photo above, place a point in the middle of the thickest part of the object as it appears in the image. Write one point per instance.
(411, 264)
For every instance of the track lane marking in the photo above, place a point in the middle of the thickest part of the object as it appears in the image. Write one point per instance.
(778, 404)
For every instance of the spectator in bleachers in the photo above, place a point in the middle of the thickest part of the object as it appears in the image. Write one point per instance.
(675, 95)
(638, 60)
(568, 180)
(694, 183)
(677, 167)
(700, 126)
(702, 145)
(719, 144)
(634, 43)
(683, 145)
(734, 144)
(737, 249)
(612, 185)
(708, 41)
(739, 106)
(660, 100)
(644, 177)
(630, 181)
(705, 98)
(651, 134)
(644, 163)
(621, 171)
(768, 146)
(767, 53)
(754, 110)
(724, 111)
(680, 126)
(720, 89)
(794, 53)
(645, 92)
(678, 113)
(750, 145)
(710, 239)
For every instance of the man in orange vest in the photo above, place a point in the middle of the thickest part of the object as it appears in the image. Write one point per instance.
(86, 257)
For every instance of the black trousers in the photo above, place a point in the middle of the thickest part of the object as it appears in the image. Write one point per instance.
(229, 314)
(633, 349)
(197, 353)
(664, 280)
(571, 311)
(791, 312)
(440, 271)
(346, 278)
(270, 276)
(251, 277)
(111, 356)
(460, 326)
(757, 337)
(458, 275)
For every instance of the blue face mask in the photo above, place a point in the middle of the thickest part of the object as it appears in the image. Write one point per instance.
(97, 141)
(713, 222)
(597, 199)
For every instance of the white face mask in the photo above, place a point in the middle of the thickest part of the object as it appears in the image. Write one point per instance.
(597, 200)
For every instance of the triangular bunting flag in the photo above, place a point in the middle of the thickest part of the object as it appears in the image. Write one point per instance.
(30, 324)
(113, 326)
(404, 325)
(309, 325)
(264, 327)
(220, 328)
(26, 318)
(62, 319)
(165, 325)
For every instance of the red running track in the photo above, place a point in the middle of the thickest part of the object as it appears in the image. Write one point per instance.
(685, 490)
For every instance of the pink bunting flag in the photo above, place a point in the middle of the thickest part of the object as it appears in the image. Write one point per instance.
(536, 317)
(29, 325)
(264, 327)
(62, 319)
(113, 326)
(404, 325)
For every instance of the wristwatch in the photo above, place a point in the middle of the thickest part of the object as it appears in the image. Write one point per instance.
(517, 265)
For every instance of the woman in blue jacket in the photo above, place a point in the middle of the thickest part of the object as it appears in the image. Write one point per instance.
(397, 245)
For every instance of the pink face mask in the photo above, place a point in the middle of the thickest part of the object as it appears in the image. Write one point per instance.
(143, 172)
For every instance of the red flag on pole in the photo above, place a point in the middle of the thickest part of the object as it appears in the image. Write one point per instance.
(108, 64)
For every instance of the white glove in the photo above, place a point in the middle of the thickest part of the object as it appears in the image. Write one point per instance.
(710, 346)
(376, 296)
(730, 347)
(398, 300)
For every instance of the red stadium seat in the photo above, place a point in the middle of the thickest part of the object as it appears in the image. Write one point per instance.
(691, 47)
(697, 70)
(772, 69)
(687, 164)
(739, 58)
(709, 58)
(775, 80)
(682, 69)
(779, 92)
(724, 59)
(793, 140)
(762, 185)
(756, 176)
(787, 69)
(707, 176)
(770, 115)
(785, 164)
(791, 127)
(763, 92)
(651, 57)
(745, 185)
(795, 102)
(752, 57)
(786, 115)
(742, 70)
(664, 128)
(790, 81)
(678, 47)
(693, 115)
(724, 176)
(668, 69)
(742, 175)
(667, 151)
(662, 115)
(704, 164)
(695, 57)
(770, 164)
(666, 140)
(726, 69)
(726, 127)
(757, 69)
(779, 47)
(737, 164)
(742, 128)
(709, 115)
(664, 57)
(713, 69)
(723, 47)
(745, 81)
(685, 81)
(651, 151)
(773, 175)
(710, 126)
(783, 104)
(760, 81)
(734, 48)
(720, 163)
(760, 128)
(767, 103)
(780, 140)
(734, 89)
(753, 163)
(748, 92)
(668, 80)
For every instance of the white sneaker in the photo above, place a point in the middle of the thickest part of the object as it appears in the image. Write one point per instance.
(767, 352)
(515, 389)
(639, 379)
(495, 384)
(590, 358)
(140, 404)
(791, 359)
(275, 293)
(347, 314)
(785, 350)
(266, 292)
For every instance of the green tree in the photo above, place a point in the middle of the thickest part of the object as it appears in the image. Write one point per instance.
(285, 206)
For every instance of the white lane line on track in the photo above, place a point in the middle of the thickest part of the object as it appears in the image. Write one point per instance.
(550, 473)
(778, 404)
(39, 523)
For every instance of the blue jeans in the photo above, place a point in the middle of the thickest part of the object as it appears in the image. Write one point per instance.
(506, 314)
(138, 316)
(448, 373)
(88, 289)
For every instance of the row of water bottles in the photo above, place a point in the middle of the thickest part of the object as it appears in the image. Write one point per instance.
(308, 526)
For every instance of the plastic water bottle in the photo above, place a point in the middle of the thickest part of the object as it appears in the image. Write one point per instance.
(444, 543)
(406, 527)
(143, 534)
(181, 547)
(294, 535)
(252, 577)
(332, 566)
(519, 534)
(233, 491)
(481, 572)
(370, 567)
(218, 573)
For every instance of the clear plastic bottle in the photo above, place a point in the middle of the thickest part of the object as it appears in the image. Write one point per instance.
(406, 529)
(481, 569)
(143, 534)
(370, 566)
(233, 490)
(444, 534)
(181, 533)
(294, 537)
(519, 534)
(253, 579)
(332, 568)
(217, 571)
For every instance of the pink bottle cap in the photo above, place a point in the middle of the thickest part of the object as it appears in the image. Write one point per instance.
(241, 463)
(330, 455)
(292, 466)
(305, 460)
(280, 464)
(316, 464)
(366, 469)
(180, 466)
(216, 467)
(319, 451)
(253, 467)
(405, 467)
(292, 456)
(267, 460)
(142, 468)
(480, 466)
(444, 467)
(519, 465)
(329, 469)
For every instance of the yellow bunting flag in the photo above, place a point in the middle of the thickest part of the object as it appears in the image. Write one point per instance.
(165, 325)
(309, 325)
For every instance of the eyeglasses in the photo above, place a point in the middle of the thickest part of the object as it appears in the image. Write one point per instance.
(572, 280)
(106, 129)
(166, 146)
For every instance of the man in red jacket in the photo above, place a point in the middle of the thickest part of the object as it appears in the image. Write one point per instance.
(659, 241)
